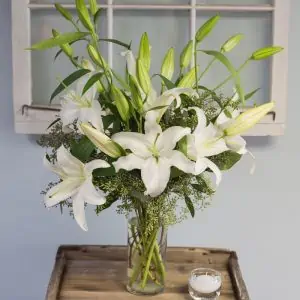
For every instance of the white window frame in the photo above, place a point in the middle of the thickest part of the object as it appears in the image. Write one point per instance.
(35, 119)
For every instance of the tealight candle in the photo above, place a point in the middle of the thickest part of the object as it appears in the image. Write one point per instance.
(205, 284)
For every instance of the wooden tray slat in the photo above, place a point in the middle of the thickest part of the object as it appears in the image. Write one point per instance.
(99, 272)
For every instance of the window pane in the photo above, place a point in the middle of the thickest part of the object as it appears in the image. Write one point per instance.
(257, 28)
(235, 2)
(46, 74)
(170, 2)
(62, 2)
(165, 29)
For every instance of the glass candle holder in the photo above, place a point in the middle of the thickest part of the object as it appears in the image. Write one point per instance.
(205, 284)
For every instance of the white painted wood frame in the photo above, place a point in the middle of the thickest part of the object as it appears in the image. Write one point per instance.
(35, 120)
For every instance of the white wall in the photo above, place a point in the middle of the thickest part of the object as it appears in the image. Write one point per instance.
(258, 216)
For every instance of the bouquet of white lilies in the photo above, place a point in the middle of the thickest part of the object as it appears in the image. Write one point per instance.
(117, 139)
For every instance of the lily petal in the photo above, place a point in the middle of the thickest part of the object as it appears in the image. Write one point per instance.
(92, 115)
(152, 128)
(131, 62)
(70, 164)
(202, 121)
(155, 175)
(129, 162)
(90, 194)
(62, 191)
(181, 162)
(69, 112)
(136, 142)
(169, 138)
(79, 213)
(203, 163)
(53, 167)
(236, 144)
(95, 164)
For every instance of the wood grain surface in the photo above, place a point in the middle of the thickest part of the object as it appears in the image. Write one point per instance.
(99, 273)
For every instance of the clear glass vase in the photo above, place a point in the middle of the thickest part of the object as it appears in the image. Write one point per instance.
(146, 256)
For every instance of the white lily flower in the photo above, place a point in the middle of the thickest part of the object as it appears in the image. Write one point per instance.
(153, 153)
(165, 100)
(76, 184)
(234, 143)
(83, 108)
(204, 142)
(131, 62)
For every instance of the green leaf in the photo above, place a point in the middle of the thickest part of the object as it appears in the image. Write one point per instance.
(168, 83)
(190, 205)
(108, 120)
(123, 84)
(97, 15)
(157, 107)
(117, 42)
(64, 38)
(106, 172)
(93, 7)
(83, 149)
(206, 28)
(175, 173)
(226, 160)
(53, 123)
(92, 81)
(183, 145)
(197, 187)
(251, 94)
(68, 81)
(65, 13)
(225, 61)
(84, 15)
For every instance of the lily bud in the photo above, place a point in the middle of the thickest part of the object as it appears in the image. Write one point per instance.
(248, 119)
(186, 55)
(66, 48)
(120, 102)
(143, 77)
(206, 28)
(93, 6)
(96, 57)
(144, 52)
(135, 93)
(264, 53)
(188, 80)
(84, 15)
(168, 66)
(102, 141)
(232, 42)
(65, 13)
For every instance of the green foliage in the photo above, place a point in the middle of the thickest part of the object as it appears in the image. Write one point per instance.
(226, 160)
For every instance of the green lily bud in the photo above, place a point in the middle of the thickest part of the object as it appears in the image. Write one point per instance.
(264, 53)
(66, 48)
(135, 94)
(232, 42)
(206, 28)
(143, 77)
(84, 15)
(102, 141)
(188, 80)
(144, 52)
(186, 55)
(248, 119)
(93, 6)
(65, 13)
(120, 102)
(96, 57)
(168, 66)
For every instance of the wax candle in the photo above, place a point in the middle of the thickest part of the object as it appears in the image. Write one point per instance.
(205, 284)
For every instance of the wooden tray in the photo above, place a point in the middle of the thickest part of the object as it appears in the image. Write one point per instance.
(99, 273)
